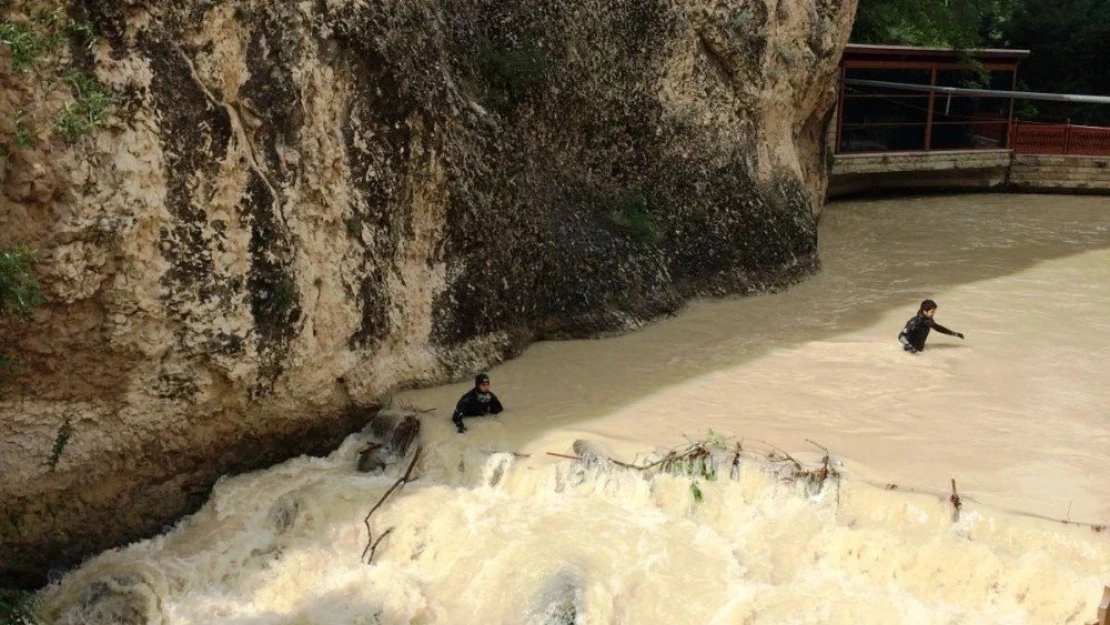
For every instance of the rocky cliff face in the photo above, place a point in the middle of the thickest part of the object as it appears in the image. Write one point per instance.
(295, 207)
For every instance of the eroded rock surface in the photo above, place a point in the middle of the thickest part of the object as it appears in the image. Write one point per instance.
(297, 207)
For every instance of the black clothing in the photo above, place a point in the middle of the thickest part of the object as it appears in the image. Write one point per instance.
(475, 403)
(912, 337)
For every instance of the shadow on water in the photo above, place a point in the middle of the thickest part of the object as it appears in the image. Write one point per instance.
(878, 256)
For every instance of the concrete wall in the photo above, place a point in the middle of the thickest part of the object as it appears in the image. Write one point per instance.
(857, 173)
(986, 169)
(1053, 172)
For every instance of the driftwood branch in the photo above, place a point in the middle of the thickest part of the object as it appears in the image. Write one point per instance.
(371, 544)
(734, 471)
(581, 459)
(694, 451)
(954, 499)
(820, 475)
(782, 452)
(374, 547)
(826, 471)
(700, 451)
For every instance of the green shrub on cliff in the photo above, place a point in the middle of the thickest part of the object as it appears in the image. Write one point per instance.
(13, 607)
(512, 72)
(22, 135)
(629, 211)
(36, 35)
(88, 110)
(19, 290)
(61, 439)
(26, 43)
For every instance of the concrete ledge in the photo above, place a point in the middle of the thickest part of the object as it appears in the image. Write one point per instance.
(1062, 159)
(972, 170)
(919, 161)
(1060, 185)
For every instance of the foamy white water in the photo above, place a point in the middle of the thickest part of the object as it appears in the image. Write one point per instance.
(1017, 414)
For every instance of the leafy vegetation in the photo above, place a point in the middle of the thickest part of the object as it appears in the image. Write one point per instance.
(15, 607)
(354, 227)
(19, 290)
(956, 24)
(22, 136)
(88, 110)
(630, 212)
(695, 492)
(65, 432)
(26, 44)
(511, 72)
(35, 37)
(1068, 42)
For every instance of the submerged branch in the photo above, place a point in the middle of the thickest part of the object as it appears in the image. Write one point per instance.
(696, 459)
(817, 477)
(371, 544)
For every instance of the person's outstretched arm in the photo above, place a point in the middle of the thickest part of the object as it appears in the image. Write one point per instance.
(944, 330)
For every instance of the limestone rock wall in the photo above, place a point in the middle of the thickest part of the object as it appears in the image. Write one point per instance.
(297, 207)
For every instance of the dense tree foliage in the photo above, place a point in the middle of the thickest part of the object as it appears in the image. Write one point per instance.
(1068, 40)
(957, 24)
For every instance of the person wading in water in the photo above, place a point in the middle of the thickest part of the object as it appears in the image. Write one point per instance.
(477, 402)
(912, 337)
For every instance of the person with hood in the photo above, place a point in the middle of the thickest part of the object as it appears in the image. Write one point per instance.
(912, 337)
(478, 401)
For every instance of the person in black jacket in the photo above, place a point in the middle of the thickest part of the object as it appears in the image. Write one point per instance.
(912, 337)
(477, 402)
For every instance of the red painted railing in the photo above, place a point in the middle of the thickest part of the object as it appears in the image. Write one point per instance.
(1034, 138)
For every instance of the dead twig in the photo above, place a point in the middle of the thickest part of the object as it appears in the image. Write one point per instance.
(956, 503)
(692, 452)
(374, 547)
(371, 544)
(581, 459)
(696, 459)
(734, 471)
(827, 470)
(785, 456)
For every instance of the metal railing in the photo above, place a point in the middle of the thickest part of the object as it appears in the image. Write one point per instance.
(1039, 138)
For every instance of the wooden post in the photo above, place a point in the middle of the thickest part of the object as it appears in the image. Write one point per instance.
(840, 111)
(1013, 122)
(929, 115)
(1104, 607)
(1067, 135)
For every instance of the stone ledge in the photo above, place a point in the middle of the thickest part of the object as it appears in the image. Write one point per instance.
(1061, 184)
(853, 173)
